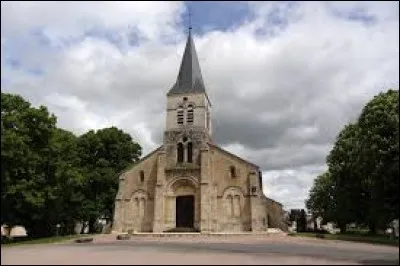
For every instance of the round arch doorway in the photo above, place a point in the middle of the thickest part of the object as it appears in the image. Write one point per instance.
(182, 205)
(184, 214)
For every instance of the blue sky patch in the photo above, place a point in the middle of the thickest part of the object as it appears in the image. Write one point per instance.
(356, 14)
(40, 36)
(216, 15)
(277, 20)
(36, 71)
(13, 63)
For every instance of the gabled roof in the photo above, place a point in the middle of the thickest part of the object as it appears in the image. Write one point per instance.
(189, 78)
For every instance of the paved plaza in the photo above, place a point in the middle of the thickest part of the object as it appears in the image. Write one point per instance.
(192, 250)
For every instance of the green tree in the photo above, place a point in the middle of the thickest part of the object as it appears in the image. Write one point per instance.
(321, 201)
(104, 154)
(299, 215)
(67, 181)
(50, 177)
(25, 134)
(379, 157)
(364, 168)
(343, 162)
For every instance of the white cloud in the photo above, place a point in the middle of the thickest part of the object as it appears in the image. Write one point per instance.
(282, 85)
(70, 18)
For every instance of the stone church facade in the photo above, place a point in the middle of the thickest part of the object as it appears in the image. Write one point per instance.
(189, 182)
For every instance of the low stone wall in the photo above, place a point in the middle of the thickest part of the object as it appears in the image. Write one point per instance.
(275, 215)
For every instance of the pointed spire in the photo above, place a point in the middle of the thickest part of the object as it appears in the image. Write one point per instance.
(189, 77)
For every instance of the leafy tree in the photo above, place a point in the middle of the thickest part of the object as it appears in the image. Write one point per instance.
(104, 154)
(50, 177)
(343, 162)
(321, 201)
(67, 180)
(379, 157)
(302, 222)
(299, 215)
(25, 134)
(363, 169)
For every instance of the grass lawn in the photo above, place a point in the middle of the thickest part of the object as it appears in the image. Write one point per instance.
(45, 240)
(372, 239)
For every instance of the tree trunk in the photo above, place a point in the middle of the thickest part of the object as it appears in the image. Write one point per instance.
(92, 222)
(83, 227)
(342, 227)
(372, 228)
(69, 228)
(7, 230)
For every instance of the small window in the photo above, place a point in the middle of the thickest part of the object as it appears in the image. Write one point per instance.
(253, 189)
(184, 139)
(233, 171)
(141, 176)
(184, 99)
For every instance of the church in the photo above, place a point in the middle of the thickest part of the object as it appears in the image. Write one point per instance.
(189, 183)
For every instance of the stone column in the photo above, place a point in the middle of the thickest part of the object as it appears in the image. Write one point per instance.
(158, 224)
(255, 202)
(205, 193)
(214, 216)
(117, 221)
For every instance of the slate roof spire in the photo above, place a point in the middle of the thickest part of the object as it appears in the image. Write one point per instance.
(189, 77)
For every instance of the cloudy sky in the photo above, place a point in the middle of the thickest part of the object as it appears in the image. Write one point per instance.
(283, 77)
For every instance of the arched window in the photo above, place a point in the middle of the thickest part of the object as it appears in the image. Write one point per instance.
(233, 171)
(179, 113)
(189, 115)
(141, 176)
(190, 152)
(180, 152)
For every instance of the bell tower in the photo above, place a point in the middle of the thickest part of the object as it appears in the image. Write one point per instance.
(188, 121)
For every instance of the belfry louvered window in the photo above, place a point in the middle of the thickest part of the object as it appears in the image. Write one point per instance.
(180, 115)
(189, 118)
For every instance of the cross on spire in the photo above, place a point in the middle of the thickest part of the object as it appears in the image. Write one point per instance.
(190, 19)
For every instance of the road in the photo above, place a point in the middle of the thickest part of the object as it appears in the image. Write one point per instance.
(202, 250)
